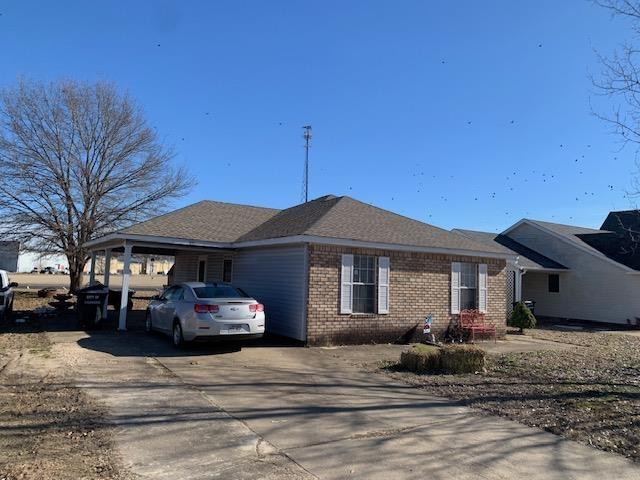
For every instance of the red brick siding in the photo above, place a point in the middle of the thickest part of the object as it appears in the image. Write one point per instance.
(420, 284)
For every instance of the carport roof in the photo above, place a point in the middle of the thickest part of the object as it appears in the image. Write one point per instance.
(205, 221)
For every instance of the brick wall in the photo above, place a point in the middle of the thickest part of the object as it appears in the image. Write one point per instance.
(420, 284)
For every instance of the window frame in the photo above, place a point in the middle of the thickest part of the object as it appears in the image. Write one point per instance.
(476, 288)
(373, 285)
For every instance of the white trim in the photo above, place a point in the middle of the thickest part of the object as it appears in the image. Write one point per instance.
(483, 287)
(585, 248)
(99, 244)
(375, 245)
(118, 238)
(384, 277)
(456, 268)
(346, 284)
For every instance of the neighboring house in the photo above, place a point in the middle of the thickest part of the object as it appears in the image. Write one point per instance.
(574, 272)
(333, 270)
(9, 254)
(140, 265)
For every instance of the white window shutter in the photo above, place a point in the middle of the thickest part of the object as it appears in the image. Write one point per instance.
(455, 287)
(346, 284)
(482, 287)
(383, 284)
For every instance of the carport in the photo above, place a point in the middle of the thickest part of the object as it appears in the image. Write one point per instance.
(128, 244)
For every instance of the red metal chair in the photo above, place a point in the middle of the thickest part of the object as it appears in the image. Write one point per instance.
(474, 321)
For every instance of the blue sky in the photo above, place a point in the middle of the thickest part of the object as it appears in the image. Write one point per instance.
(461, 114)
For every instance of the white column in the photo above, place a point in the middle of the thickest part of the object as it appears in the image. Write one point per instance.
(518, 285)
(126, 273)
(92, 270)
(107, 273)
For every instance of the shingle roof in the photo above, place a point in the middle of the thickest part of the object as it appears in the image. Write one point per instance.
(328, 216)
(529, 259)
(600, 242)
(347, 218)
(205, 221)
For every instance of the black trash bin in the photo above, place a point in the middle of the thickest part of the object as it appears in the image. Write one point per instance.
(531, 305)
(90, 305)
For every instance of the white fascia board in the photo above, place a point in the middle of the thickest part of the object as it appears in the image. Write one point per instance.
(585, 248)
(345, 242)
(118, 239)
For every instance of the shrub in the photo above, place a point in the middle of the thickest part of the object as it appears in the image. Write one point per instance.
(421, 359)
(462, 359)
(522, 317)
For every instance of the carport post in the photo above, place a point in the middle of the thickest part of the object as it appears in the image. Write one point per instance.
(124, 301)
(107, 272)
(92, 269)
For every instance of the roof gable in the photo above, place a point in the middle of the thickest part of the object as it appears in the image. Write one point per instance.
(528, 258)
(587, 239)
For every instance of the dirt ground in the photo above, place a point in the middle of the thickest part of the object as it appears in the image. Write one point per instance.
(50, 428)
(590, 393)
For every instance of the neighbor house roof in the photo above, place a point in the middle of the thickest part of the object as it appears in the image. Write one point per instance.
(327, 219)
(527, 258)
(601, 243)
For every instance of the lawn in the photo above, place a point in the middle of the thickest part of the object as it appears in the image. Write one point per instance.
(589, 393)
(50, 428)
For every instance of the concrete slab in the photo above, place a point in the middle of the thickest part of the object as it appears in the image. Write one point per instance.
(285, 412)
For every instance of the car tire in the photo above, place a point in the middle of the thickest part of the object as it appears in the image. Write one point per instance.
(178, 339)
(9, 312)
(147, 323)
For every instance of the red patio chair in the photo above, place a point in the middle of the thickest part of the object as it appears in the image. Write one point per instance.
(474, 321)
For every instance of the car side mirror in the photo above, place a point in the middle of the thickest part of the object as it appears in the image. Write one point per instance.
(13, 284)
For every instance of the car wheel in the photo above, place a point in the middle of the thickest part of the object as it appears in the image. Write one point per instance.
(178, 340)
(147, 323)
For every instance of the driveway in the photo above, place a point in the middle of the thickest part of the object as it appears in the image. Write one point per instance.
(291, 412)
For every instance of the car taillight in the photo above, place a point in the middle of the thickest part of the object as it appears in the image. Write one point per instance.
(201, 308)
(256, 307)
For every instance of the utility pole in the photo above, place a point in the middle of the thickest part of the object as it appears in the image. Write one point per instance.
(307, 139)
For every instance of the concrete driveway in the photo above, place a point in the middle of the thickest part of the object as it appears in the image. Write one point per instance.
(292, 412)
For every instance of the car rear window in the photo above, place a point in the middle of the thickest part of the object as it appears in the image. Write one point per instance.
(219, 291)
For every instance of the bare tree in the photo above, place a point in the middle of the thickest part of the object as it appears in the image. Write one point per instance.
(78, 160)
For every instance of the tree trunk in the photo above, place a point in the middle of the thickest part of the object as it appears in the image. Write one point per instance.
(75, 274)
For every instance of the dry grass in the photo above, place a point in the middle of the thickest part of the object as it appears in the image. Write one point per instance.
(590, 393)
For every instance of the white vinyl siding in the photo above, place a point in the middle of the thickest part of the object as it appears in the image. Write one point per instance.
(383, 285)
(276, 277)
(591, 289)
(186, 266)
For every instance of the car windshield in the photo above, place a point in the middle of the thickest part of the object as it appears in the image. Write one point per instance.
(219, 291)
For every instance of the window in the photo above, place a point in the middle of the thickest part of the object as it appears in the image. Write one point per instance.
(227, 267)
(219, 290)
(173, 294)
(554, 283)
(364, 284)
(202, 269)
(468, 286)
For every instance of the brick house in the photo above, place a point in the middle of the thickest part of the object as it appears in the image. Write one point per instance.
(330, 271)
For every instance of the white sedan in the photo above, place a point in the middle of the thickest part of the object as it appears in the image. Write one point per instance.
(201, 311)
